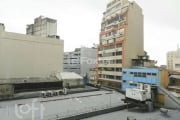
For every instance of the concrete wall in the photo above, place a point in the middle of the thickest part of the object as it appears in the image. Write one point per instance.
(169, 100)
(23, 56)
(164, 78)
(134, 42)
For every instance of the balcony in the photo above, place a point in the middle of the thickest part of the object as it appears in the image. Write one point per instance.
(111, 65)
(110, 50)
(111, 57)
(110, 73)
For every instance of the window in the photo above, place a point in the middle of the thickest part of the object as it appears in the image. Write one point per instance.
(118, 46)
(118, 69)
(139, 74)
(132, 84)
(119, 53)
(118, 61)
(154, 74)
(148, 73)
(135, 74)
(124, 72)
(143, 74)
(118, 78)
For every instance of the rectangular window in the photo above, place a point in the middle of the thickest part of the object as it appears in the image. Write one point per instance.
(143, 74)
(139, 74)
(118, 46)
(135, 74)
(148, 73)
(124, 72)
(119, 53)
(154, 74)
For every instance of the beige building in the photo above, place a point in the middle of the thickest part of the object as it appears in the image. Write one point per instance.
(26, 56)
(121, 40)
(173, 60)
(43, 26)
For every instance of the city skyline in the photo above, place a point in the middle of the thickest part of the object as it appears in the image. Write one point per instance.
(79, 22)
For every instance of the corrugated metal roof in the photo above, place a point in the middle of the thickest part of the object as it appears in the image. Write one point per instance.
(68, 76)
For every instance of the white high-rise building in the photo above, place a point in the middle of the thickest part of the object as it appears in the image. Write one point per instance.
(80, 61)
(43, 26)
(173, 60)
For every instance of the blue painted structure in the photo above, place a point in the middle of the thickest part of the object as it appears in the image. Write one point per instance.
(132, 76)
(85, 79)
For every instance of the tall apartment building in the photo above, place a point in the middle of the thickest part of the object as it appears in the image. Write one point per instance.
(173, 60)
(80, 61)
(121, 40)
(43, 26)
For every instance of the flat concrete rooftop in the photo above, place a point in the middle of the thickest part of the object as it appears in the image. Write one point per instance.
(64, 106)
(138, 114)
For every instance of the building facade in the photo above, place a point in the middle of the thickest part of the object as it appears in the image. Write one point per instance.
(24, 56)
(43, 26)
(121, 40)
(173, 60)
(80, 60)
(152, 76)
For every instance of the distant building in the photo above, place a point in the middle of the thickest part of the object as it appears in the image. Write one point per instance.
(2, 27)
(43, 26)
(121, 40)
(174, 85)
(163, 66)
(80, 60)
(173, 60)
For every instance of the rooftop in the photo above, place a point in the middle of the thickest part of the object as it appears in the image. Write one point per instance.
(137, 114)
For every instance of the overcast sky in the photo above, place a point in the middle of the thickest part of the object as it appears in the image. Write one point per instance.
(79, 21)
